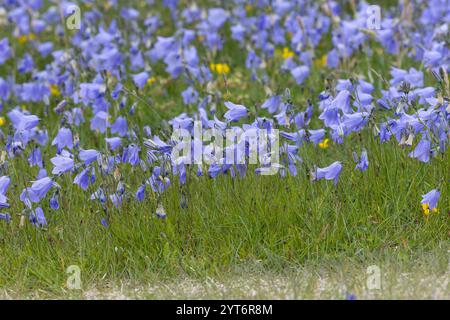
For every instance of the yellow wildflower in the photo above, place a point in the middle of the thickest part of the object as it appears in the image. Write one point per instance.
(151, 80)
(426, 209)
(248, 8)
(2, 121)
(24, 38)
(54, 90)
(226, 68)
(321, 62)
(324, 143)
(287, 53)
(220, 68)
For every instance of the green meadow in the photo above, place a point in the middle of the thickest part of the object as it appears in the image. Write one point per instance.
(254, 237)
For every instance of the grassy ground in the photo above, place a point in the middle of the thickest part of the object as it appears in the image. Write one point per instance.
(424, 276)
(258, 237)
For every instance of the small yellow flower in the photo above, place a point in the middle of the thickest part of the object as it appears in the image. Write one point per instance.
(54, 90)
(248, 8)
(151, 81)
(426, 209)
(200, 38)
(24, 38)
(220, 68)
(287, 53)
(2, 121)
(324, 143)
(321, 62)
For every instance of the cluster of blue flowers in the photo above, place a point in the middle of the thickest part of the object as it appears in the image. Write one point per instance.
(87, 74)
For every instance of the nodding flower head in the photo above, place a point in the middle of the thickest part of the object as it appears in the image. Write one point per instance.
(54, 203)
(422, 151)
(63, 139)
(300, 73)
(362, 163)
(35, 158)
(62, 164)
(331, 172)
(120, 126)
(161, 212)
(82, 179)
(88, 156)
(140, 193)
(41, 187)
(37, 217)
(140, 79)
(3, 201)
(235, 111)
(131, 154)
(99, 195)
(5, 216)
(429, 201)
(22, 121)
(113, 142)
(37, 191)
(4, 184)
